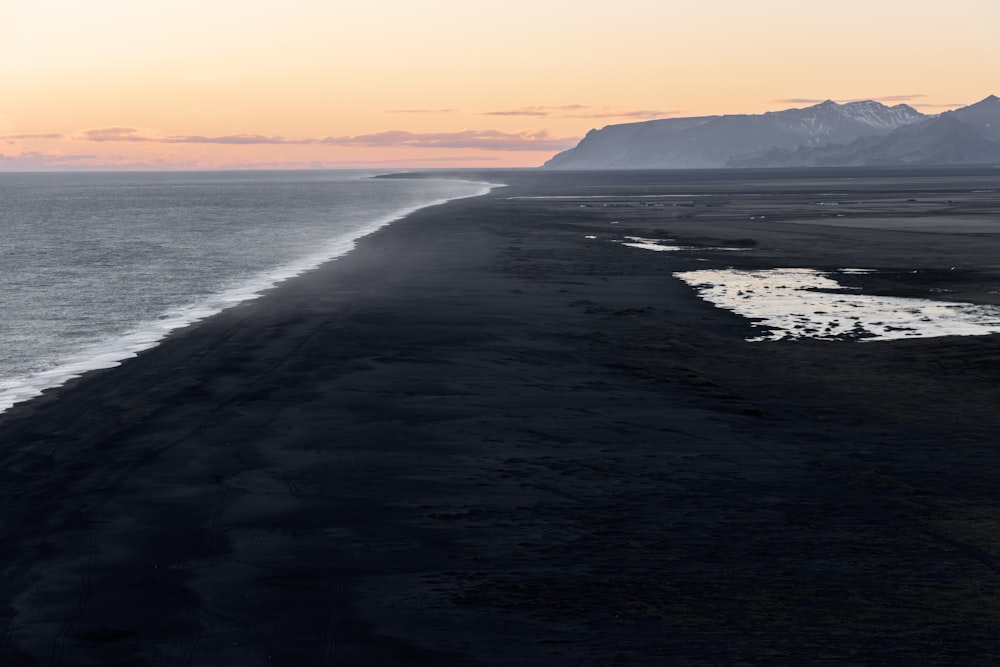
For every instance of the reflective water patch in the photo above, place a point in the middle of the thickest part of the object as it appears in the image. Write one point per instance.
(805, 303)
(667, 245)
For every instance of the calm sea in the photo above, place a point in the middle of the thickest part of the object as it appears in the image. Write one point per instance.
(96, 267)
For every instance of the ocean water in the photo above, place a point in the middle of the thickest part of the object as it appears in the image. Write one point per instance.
(95, 267)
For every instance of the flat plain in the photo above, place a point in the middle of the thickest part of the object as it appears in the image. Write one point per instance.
(494, 434)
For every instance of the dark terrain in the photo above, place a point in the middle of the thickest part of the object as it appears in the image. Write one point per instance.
(482, 438)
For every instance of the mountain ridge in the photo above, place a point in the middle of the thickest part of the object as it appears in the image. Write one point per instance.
(825, 134)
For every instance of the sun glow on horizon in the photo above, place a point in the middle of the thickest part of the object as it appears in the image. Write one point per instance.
(253, 84)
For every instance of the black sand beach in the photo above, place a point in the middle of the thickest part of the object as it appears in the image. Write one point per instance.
(482, 438)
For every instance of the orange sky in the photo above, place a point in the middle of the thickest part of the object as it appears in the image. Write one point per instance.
(329, 83)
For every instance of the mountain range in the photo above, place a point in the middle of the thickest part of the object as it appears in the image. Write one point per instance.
(828, 134)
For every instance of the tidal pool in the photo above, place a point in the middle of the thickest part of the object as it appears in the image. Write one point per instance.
(666, 245)
(806, 303)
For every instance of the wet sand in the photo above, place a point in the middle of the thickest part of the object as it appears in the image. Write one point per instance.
(483, 438)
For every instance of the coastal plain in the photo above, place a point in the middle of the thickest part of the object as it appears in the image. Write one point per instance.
(496, 434)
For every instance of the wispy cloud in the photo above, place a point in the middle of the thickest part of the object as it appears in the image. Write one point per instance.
(581, 111)
(116, 133)
(639, 113)
(40, 160)
(424, 162)
(523, 111)
(232, 139)
(482, 139)
(900, 98)
(131, 134)
(950, 105)
(882, 98)
(17, 137)
(798, 100)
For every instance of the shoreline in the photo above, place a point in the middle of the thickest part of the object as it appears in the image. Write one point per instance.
(114, 350)
(481, 438)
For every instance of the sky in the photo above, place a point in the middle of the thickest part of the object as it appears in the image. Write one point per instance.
(234, 84)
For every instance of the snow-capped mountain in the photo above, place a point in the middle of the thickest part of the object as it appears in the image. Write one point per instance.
(831, 122)
(970, 135)
(941, 140)
(827, 133)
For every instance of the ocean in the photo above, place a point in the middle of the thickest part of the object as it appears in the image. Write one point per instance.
(96, 267)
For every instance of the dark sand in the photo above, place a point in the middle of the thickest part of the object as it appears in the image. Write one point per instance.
(483, 439)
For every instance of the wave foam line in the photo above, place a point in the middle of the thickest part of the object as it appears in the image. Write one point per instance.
(113, 351)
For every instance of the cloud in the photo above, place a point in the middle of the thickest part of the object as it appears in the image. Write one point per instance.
(46, 135)
(799, 100)
(884, 98)
(132, 134)
(539, 110)
(113, 134)
(639, 113)
(483, 139)
(900, 98)
(949, 105)
(38, 160)
(580, 111)
(423, 162)
(232, 139)
(524, 111)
